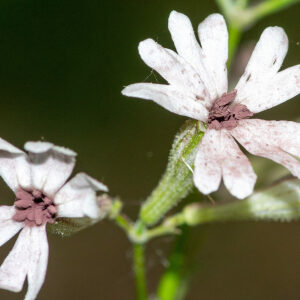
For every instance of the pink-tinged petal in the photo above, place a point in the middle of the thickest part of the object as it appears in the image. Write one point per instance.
(275, 140)
(14, 168)
(219, 155)
(38, 261)
(8, 227)
(267, 56)
(51, 165)
(7, 147)
(15, 266)
(263, 65)
(208, 172)
(78, 197)
(213, 36)
(172, 99)
(172, 67)
(238, 175)
(281, 87)
(188, 47)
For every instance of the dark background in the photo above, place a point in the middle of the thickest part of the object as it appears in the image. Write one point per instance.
(63, 65)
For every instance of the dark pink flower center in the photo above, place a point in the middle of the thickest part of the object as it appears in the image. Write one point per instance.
(224, 115)
(34, 208)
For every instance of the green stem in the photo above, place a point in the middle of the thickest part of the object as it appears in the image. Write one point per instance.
(266, 8)
(241, 3)
(280, 202)
(173, 283)
(229, 9)
(139, 270)
(124, 223)
(240, 17)
(160, 231)
(226, 6)
(235, 34)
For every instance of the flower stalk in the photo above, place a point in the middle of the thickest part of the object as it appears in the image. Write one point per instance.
(280, 202)
(139, 270)
(266, 8)
(240, 16)
(174, 282)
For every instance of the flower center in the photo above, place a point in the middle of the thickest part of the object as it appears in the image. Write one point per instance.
(34, 208)
(224, 115)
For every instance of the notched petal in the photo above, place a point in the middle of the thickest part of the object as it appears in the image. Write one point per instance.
(171, 66)
(238, 174)
(213, 36)
(208, 172)
(50, 165)
(276, 140)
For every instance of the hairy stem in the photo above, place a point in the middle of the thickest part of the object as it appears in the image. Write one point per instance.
(279, 202)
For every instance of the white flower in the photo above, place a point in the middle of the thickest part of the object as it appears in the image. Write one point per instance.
(38, 180)
(197, 89)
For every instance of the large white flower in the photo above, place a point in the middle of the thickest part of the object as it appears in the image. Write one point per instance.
(197, 78)
(38, 181)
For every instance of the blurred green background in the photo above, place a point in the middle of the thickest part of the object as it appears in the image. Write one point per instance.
(63, 65)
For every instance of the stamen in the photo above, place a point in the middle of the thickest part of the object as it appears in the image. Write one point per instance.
(34, 208)
(222, 115)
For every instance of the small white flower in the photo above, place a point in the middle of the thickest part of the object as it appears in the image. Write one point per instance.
(38, 180)
(197, 78)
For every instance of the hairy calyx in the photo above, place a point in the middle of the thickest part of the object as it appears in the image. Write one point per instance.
(224, 115)
(34, 208)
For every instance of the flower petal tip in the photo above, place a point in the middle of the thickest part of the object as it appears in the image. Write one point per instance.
(204, 189)
(207, 187)
(37, 147)
(146, 47)
(243, 192)
(7, 147)
(215, 17)
(10, 287)
(127, 91)
(65, 151)
(95, 184)
(276, 33)
(132, 90)
(213, 20)
(41, 147)
(176, 16)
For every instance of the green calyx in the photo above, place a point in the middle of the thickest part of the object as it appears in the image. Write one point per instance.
(177, 180)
